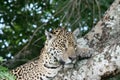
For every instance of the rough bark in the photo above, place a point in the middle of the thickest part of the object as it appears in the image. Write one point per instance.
(104, 40)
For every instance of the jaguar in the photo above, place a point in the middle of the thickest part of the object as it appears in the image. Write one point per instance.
(59, 49)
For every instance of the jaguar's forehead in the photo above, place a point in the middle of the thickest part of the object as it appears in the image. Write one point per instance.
(62, 35)
(57, 31)
(61, 32)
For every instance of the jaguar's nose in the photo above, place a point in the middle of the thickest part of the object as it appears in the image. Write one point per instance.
(62, 62)
(71, 58)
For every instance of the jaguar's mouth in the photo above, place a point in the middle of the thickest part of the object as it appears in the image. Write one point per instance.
(51, 67)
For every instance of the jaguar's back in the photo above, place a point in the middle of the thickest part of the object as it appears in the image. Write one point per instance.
(59, 50)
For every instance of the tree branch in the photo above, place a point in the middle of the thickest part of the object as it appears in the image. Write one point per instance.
(104, 39)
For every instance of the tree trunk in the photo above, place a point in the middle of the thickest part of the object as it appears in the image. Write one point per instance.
(104, 40)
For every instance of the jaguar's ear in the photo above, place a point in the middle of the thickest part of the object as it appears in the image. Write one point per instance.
(48, 35)
(76, 32)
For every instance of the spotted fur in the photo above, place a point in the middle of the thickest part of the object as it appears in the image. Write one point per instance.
(59, 50)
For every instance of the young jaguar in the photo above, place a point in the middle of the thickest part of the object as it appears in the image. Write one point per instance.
(59, 50)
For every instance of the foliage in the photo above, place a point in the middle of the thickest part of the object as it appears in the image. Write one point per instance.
(4, 73)
(117, 77)
(22, 23)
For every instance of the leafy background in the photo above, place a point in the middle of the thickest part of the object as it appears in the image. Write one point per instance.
(23, 22)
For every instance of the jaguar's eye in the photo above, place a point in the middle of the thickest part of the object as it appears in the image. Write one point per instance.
(75, 47)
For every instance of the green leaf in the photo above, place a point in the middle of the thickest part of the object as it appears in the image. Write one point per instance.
(1, 59)
(3, 68)
(5, 74)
